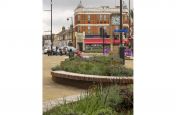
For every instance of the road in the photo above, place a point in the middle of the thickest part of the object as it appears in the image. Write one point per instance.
(52, 90)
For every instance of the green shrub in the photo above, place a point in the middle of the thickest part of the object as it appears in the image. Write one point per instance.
(120, 70)
(104, 111)
(97, 65)
(99, 101)
(57, 67)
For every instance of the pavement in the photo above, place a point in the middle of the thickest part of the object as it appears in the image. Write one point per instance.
(53, 93)
(47, 105)
(52, 90)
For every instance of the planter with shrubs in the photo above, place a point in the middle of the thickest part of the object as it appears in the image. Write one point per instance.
(97, 65)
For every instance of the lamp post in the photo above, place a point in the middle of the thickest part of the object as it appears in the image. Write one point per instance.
(122, 56)
(71, 27)
(129, 18)
(102, 35)
(51, 25)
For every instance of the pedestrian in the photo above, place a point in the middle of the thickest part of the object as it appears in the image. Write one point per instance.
(56, 50)
(60, 51)
(71, 53)
(78, 53)
(48, 51)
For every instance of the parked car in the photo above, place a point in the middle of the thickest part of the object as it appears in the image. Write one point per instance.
(45, 51)
(72, 48)
(62, 51)
(68, 48)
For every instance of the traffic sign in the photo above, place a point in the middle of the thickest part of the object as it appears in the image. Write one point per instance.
(123, 30)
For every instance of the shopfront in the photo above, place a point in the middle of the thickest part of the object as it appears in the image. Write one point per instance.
(96, 44)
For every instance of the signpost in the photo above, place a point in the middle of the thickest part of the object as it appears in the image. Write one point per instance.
(122, 49)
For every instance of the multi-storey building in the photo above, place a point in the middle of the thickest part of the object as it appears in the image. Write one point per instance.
(63, 38)
(87, 23)
(47, 41)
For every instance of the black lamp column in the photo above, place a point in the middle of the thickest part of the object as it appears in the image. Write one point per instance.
(129, 19)
(51, 28)
(122, 56)
(102, 35)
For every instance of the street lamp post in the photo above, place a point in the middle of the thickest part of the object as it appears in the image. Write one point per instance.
(71, 27)
(51, 26)
(121, 44)
(102, 35)
(129, 19)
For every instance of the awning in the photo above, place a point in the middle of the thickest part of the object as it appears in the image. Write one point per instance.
(106, 41)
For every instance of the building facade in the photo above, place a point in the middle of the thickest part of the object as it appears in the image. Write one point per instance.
(63, 38)
(88, 21)
(46, 41)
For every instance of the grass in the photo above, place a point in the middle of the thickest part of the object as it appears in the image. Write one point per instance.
(112, 100)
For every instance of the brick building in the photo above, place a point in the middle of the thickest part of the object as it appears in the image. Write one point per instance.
(87, 23)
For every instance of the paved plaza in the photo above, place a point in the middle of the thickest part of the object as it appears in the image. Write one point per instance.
(52, 90)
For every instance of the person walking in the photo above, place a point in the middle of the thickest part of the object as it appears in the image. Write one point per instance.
(71, 53)
(78, 53)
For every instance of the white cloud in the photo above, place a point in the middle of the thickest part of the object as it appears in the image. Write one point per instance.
(59, 20)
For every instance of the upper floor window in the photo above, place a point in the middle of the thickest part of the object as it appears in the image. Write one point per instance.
(104, 17)
(88, 18)
(89, 29)
(101, 17)
(78, 17)
(78, 29)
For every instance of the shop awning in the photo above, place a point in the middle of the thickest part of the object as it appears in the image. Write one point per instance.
(106, 41)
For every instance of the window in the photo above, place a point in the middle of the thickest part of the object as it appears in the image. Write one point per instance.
(78, 17)
(63, 37)
(105, 28)
(89, 29)
(104, 17)
(78, 29)
(78, 21)
(88, 18)
(99, 29)
(101, 17)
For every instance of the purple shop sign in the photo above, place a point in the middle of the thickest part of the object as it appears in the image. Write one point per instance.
(128, 52)
(106, 51)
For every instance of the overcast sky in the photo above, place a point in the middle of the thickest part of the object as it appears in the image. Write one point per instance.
(65, 8)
